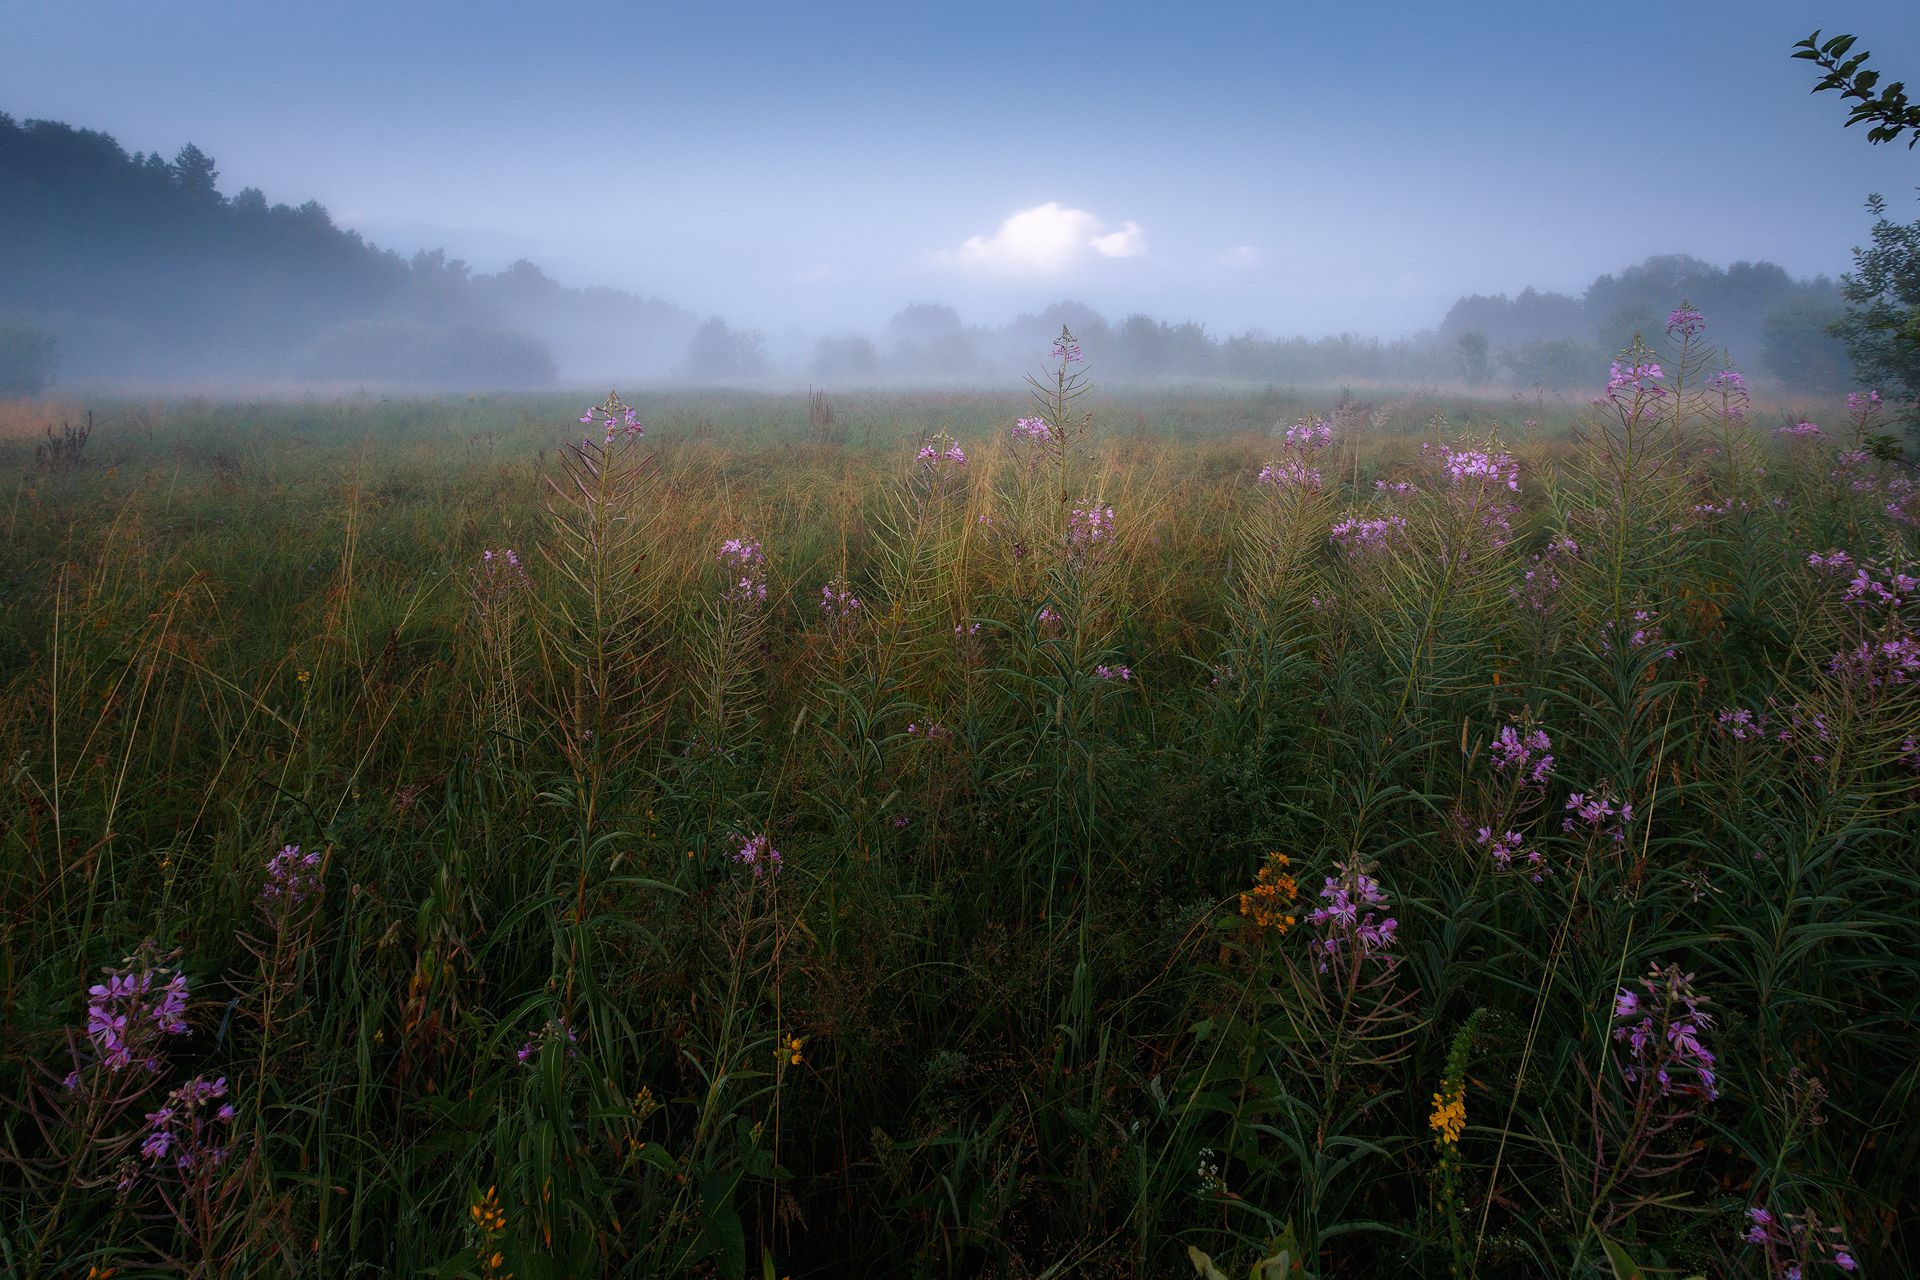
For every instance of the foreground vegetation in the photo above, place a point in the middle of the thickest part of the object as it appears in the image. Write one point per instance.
(954, 836)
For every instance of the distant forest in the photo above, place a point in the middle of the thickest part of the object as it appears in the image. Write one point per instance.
(118, 266)
(141, 268)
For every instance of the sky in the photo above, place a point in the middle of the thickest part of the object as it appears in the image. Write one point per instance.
(1281, 167)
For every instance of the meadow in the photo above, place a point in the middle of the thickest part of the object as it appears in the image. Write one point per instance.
(1073, 831)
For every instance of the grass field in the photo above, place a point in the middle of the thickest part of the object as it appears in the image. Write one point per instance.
(1415, 835)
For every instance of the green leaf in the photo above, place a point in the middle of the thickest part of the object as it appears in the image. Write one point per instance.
(1624, 1268)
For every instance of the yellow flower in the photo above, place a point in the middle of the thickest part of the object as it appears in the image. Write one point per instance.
(1269, 904)
(1449, 1116)
(794, 1056)
(304, 676)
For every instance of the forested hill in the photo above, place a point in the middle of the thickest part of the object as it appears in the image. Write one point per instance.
(142, 268)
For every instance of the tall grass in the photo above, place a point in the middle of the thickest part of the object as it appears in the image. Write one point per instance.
(1171, 873)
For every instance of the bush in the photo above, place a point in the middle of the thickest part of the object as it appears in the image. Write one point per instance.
(408, 353)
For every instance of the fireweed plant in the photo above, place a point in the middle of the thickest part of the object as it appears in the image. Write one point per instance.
(1150, 834)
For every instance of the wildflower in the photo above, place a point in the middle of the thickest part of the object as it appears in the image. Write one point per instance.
(1742, 725)
(1449, 1116)
(1362, 536)
(1116, 672)
(1342, 922)
(790, 1049)
(1065, 349)
(1664, 1032)
(131, 1010)
(617, 420)
(1732, 390)
(941, 448)
(1032, 430)
(1799, 431)
(746, 566)
(1833, 563)
(303, 676)
(1684, 322)
(188, 1133)
(1526, 756)
(559, 1030)
(1481, 466)
(1089, 525)
(838, 602)
(292, 878)
(1269, 904)
(758, 853)
(1508, 854)
(1635, 380)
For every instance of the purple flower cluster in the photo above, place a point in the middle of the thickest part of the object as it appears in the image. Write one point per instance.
(1362, 536)
(1799, 431)
(1116, 672)
(1481, 467)
(928, 731)
(838, 602)
(758, 853)
(1794, 1242)
(1295, 468)
(746, 566)
(1090, 525)
(1879, 663)
(129, 1013)
(1631, 381)
(1731, 387)
(625, 425)
(1031, 431)
(1526, 756)
(1831, 564)
(1510, 854)
(1662, 1028)
(292, 878)
(1065, 349)
(942, 448)
(188, 1132)
(1345, 922)
(558, 1031)
(1865, 589)
(1742, 725)
(1862, 404)
(1289, 473)
(1597, 814)
(1540, 584)
(1684, 322)
(1643, 632)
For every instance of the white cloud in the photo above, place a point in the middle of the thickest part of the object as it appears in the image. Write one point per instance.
(1046, 240)
(1128, 242)
(1243, 255)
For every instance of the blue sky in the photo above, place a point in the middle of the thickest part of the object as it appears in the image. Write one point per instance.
(1287, 167)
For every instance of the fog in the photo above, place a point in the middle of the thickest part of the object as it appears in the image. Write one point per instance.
(455, 198)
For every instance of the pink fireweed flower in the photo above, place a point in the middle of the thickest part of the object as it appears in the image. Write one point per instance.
(838, 602)
(189, 1133)
(1065, 349)
(1032, 431)
(1309, 434)
(557, 1031)
(1344, 922)
(1731, 386)
(941, 450)
(1363, 536)
(1525, 756)
(1090, 525)
(623, 424)
(1834, 562)
(1479, 465)
(1632, 380)
(1510, 854)
(758, 853)
(1289, 473)
(1598, 814)
(1799, 431)
(1663, 1030)
(130, 1013)
(1684, 322)
(292, 878)
(1115, 672)
(1741, 725)
(746, 566)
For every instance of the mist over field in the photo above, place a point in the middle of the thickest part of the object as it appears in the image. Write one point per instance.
(781, 202)
(968, 643)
